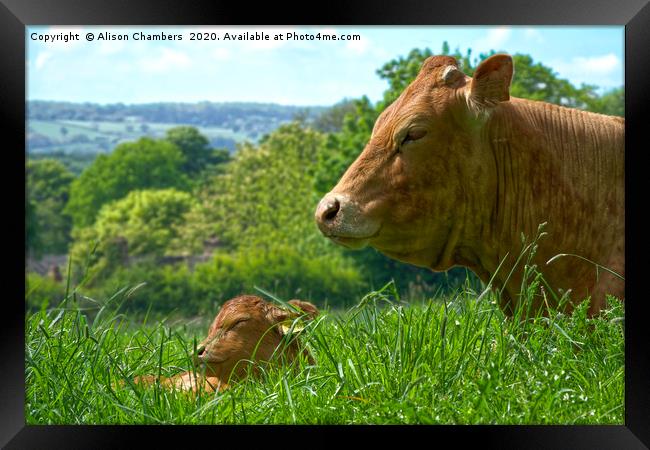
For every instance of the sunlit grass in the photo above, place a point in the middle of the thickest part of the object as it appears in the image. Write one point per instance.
(452, 359)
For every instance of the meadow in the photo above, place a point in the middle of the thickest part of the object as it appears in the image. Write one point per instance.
(85, 137)
(451, 359)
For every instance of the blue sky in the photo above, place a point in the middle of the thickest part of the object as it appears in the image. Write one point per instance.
(288, 72)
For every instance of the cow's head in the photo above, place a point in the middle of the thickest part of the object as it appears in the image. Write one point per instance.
(411, 191)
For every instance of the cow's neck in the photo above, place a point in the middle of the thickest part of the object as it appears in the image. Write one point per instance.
(546, 164)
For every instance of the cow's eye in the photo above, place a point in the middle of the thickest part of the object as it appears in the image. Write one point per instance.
(413, 135)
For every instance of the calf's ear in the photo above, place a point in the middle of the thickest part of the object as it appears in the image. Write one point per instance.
(310, 310)
(287, 318)
(491, 82)
(302, 309)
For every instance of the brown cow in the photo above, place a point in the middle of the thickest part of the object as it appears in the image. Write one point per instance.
(456, 170)
(247, 329)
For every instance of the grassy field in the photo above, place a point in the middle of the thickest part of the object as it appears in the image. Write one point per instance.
(103, 136)
(449, 360)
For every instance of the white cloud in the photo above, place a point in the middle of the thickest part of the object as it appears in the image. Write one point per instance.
(167, 60)
(221, 54)
(532, 34)
(41, 59)
(111, 47)
(496, 37)
(604, 64)
(601, 70)
(358, 47)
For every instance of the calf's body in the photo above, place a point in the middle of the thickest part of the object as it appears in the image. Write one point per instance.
(246, 332)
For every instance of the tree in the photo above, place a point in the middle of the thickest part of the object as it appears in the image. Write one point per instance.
(535, 81)
(218, 159)
(261, 211)
(143, 223)
(194, 146)
(301, 116)
(532, 80)
(400, 72)
(264, 194)
(143, 164)
(32, 241)
(331, 120)
(48, 189)
(611, 102)
(343, 147)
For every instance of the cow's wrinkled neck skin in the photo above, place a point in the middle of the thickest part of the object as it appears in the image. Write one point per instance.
(546, 164)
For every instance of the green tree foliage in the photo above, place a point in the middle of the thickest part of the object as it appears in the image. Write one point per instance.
(331, 120)
(400, 72)
(163, 288)
(41, 292)
(264, 194)
(611, 102)
(143, 223)
(282, 269)
(343, 147)
(532, 80)
(32, 241)
(536, 81)
(143, 164)
(194, 146)
(261, 210)
(48, 188)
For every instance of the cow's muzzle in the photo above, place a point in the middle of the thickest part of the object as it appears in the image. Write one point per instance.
(343, 221)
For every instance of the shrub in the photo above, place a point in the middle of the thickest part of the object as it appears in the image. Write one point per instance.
(42, 292)
(282, 271)
(139, 225)
(162, 289)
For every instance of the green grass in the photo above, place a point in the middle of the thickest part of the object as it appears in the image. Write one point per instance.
(448, 360)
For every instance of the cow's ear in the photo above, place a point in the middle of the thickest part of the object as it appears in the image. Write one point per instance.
(491, 82)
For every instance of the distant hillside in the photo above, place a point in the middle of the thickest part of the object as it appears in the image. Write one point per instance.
(88, 128)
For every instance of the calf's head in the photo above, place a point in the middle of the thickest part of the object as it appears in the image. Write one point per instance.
(248, 328)
(409, 191)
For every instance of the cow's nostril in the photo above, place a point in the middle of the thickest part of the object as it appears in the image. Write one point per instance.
(331, 210)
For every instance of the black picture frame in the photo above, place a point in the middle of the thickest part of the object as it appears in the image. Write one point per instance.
(15, 15)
